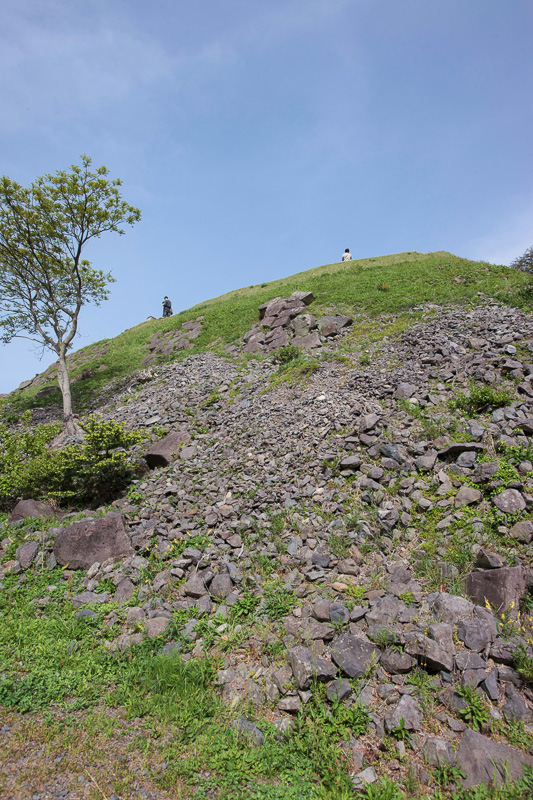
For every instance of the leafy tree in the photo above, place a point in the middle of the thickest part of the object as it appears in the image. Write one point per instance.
(44, 281)
(524, 262)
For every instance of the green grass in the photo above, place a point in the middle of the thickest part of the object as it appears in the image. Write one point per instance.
(352, 287)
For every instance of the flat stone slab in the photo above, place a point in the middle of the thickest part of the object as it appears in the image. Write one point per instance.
(485, 760)
(83, 543)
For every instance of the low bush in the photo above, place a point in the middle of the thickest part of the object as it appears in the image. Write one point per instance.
(481, 398)
(91, 472)
(286, 354)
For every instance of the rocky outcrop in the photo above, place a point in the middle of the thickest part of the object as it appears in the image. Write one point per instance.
(181, 338)
(284, 321)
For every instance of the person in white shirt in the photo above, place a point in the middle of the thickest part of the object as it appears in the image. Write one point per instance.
(347, 256)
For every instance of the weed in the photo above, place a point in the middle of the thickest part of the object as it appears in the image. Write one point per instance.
(446, 775)
(476, 713)
(244, 606)
(523, 663)
(356, 592)
(279, 601)
(339, 544)
(401, 733)
(407, 597)
(481, 398)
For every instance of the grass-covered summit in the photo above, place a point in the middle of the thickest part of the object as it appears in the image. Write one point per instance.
(366, 287)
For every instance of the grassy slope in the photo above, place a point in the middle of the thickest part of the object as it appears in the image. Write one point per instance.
(389, 284)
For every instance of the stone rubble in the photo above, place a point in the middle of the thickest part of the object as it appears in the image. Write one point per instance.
(327, 485)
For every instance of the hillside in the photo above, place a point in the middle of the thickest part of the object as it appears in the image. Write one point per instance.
(366, 288)
(322, 583)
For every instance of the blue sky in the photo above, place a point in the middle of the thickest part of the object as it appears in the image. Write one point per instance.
(262, 137)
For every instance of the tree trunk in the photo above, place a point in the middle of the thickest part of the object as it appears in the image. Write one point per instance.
(64, 385)
(72, 433)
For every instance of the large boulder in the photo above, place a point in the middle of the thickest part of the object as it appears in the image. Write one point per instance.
(92, 540)
(485, 761)
(31, 508)
(163, 452)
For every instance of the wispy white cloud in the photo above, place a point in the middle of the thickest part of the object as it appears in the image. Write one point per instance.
(508, 240)
(55, 59)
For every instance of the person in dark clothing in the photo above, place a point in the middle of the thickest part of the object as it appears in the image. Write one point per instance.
(167, 307)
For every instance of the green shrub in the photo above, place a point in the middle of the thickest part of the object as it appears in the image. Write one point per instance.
(93, 471)
(286, 354)
(481, 398)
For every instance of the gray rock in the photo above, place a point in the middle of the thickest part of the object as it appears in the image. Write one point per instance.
(485, 761)
(282, 678)
(466, 496)
(195, 586)
(338, 690)
(156, 626)
(250, 731)
(124, 591)
(490, 685)
(25, 554)
(515, 707)
(339, 613)
(406, 710)
(308, 342)
(307, 667)
(456, 448)
(498, 587)
(26, 509)
(166, 450)
(523, 531)
(396, 663)
(353, 654)
(451, 609)
(484, 472)
(485, 559)
(365, 777)
(221, 586)
(476, 634)
(429, 653)
(89, 599)
(351, 463)
(510, 501)
(437, 752)
(291, 704)
(99, 539)
(405, 390)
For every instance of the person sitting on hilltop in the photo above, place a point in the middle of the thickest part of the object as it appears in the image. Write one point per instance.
(347, 256)
(167, 307)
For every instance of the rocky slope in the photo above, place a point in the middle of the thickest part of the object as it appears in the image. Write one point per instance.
(360, 517)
